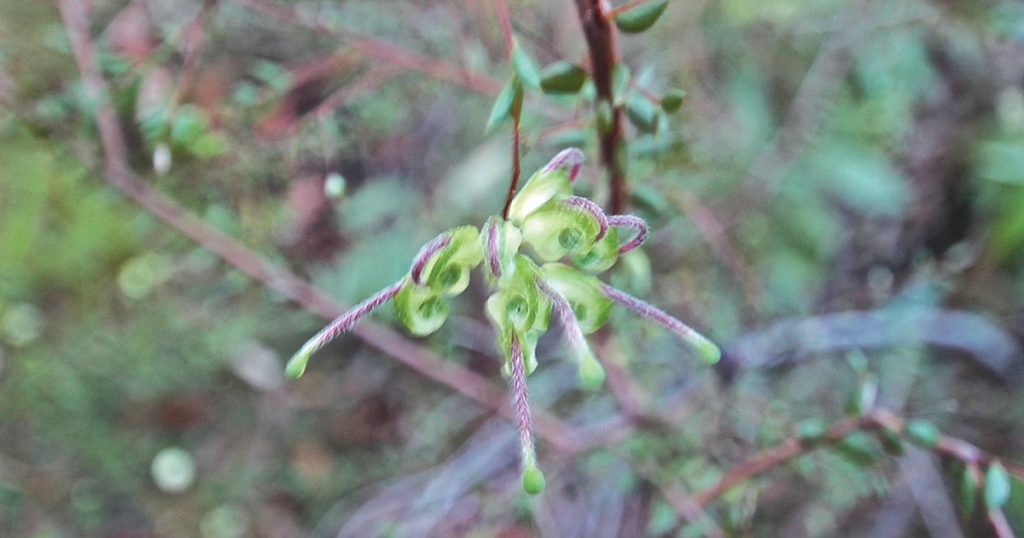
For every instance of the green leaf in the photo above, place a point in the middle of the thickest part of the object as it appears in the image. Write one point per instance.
(503, 104)
(641, 17)
(642, 114)
(672, 100)
(811, 430)
(1001, 161)
(420, 309)
(620, 81)
(997, 486)
(966, 493)
(891, 442)
(590, 306)
(562, 77)
(922, 432)
(858, 448)
(524, 66)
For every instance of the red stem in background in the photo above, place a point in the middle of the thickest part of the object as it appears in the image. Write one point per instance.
(600, 34)
(506, 25)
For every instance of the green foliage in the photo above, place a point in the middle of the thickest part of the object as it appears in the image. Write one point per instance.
(834, 160)
(641, 17)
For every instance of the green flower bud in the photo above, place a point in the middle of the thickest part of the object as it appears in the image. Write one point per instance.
(540, 189)
(583, 292)
(533, 480)
(420, 309)
(602, 256)
(500, 240)
(446, 272)
(557, 230)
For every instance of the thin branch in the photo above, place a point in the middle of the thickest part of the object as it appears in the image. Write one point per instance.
(600, 35)
(715, 235)
(383, 50)
(513, 183)
(193, 42)
(506, 25)
(947, 446)
(119, 175)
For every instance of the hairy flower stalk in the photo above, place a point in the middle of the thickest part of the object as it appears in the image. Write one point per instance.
(491, 253)
(343, 323)
(426, 252)
(590, 371)
(706, 350)
(533, 478)
(630, 222)
(570, 159)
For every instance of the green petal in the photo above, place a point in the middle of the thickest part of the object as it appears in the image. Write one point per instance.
(519, 305)
(555, 231)
(509, 238)
(447, 272)
(420, 309)
(583, 291)
(540, 189)
(602, 256)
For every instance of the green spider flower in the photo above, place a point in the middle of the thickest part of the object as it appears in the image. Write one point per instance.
(556, 226)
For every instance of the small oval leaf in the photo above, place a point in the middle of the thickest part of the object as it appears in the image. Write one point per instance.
(922, 432)
(672, 100)
(997, 486)
(642, 114)
(524, 66)
(967, 493)
(562, 78)
(641, 17)
(503, 104)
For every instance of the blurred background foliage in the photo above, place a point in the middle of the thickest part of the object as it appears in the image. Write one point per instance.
(831, 156)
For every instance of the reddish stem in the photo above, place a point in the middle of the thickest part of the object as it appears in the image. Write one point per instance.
(513, 183)
(600, 35)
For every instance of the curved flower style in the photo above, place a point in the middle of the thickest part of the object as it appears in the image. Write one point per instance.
(556, 226)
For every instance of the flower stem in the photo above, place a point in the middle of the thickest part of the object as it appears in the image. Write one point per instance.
(297, 364)
(706, 350)
(630, 222)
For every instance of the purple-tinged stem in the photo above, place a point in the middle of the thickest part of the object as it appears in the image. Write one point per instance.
(573, 334)
(491, 250)
(585, 205)
(426, 252)
(591, 371)
(706, 350)
(521, 404)
(570, 159)
(343, 323)
(630, 222)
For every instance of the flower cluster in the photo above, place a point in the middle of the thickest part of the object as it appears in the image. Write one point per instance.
(557, 227)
